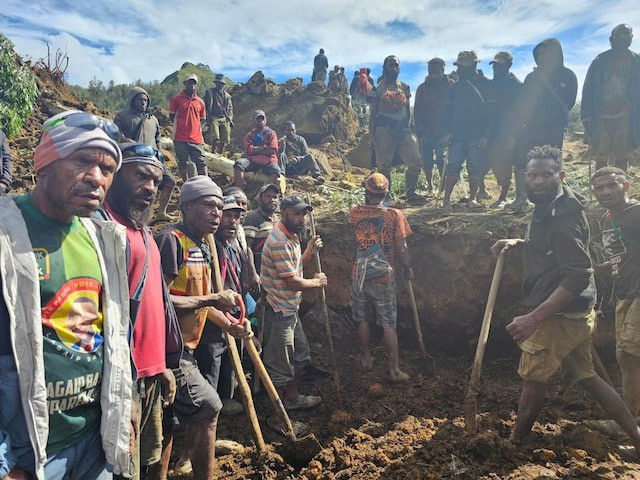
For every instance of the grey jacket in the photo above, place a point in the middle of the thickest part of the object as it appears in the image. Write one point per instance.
(21, 291)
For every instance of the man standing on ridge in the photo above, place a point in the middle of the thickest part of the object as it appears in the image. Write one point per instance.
(219, 114)
(320, 66)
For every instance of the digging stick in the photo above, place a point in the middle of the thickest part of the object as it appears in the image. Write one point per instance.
(235, 358)
(443, 176)
(416, 318)
(325, 311)
(256, 379)
(599, 366)
(472, 391)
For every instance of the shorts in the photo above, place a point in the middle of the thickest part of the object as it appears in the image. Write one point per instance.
(246, 165)
(150, 393)
(468, 150)
(501, 161)
(562, 341)
(430, 146)
(613, 138)
(285, 346)
(380, 295)
(196, 400)
(220, 129)
(388, 144)
(628, 325)
(83, 460)
(186, 151)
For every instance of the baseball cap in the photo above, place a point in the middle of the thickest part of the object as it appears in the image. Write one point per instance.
(259, 113)
(295, 203)
(219, 78)
(437, 60)
(466, 58)
(231, 203)
(199, 186)
(502, 57)
(268, 186)
(376, 183)
(191, 76)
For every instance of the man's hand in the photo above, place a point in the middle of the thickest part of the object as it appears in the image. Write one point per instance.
(17, 474)
(315, 242)
(522, 327)
(321, 279)
(254, 281)
(168, 387)
(505, 244)
(224, 300)
(240, 331)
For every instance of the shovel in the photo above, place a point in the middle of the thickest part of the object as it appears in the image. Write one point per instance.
(472, 391)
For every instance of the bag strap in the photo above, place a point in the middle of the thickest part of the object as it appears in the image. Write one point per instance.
(468, 82)
(618, 230)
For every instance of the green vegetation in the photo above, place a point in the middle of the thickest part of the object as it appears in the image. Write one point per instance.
(114, 97)
(18, 89)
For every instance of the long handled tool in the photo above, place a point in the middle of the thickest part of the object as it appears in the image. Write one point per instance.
(235, 359)
(416, 317)
(325, 311)
(472, 391)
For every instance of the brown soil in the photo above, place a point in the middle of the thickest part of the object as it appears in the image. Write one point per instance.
(416, 430)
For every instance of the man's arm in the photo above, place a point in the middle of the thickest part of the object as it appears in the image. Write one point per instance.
(224, 300)
(299, 283)
(6, 175)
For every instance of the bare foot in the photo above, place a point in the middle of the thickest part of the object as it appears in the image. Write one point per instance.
(366, 362)
(398, 376)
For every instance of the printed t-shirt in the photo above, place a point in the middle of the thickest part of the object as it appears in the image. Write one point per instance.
(72, 324)
(189, 264)
(149, 330)
(393, 99)
(281, 258)
(188, 113)
(374, 224)
(621, 240)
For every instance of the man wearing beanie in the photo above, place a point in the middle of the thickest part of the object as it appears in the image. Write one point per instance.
(187, 267)
(381, 234)
(65, 375)
(156, 340)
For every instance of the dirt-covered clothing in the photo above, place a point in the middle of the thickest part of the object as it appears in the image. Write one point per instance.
(556, 253)
(430, 107)
(467, 113)
(6, 169)
(188, 111)
(374, 224)
(219, 104)
(140, 127)
(611, 92)
(621, 240)
(265, 137)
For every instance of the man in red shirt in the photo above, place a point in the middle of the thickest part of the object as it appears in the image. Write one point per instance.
(261, 148)
(187, 111)
(156, 344)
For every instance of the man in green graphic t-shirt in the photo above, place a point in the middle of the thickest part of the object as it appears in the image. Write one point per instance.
(64, 313)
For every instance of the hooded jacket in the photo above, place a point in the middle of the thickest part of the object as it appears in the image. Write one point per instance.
(128, 122)
(556, 253)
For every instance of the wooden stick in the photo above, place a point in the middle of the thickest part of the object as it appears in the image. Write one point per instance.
(416, 318)
(472, 391)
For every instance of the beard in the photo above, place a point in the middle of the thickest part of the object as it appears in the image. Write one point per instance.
(292, 226)
(121, 200)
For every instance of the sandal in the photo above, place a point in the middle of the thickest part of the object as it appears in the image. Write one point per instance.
(303, 402)
(276, 425)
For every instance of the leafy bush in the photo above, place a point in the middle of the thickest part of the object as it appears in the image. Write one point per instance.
(18, 89)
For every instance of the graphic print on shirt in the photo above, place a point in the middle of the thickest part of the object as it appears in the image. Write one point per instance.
(615, 248)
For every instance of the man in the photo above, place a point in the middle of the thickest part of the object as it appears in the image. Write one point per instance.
(65, 388)
(261, 148)
(559, 287)
(332, 84)
(504, 89)
(610, 107)
(186, 264)
(467, 126)
(138, 124)
(286, 350)
(320, 66)
(548, 94)
(295, 158)
(212, 355)
(389, 127)
(219, 114)
(6, 168)
(621, 240)
(428, 117)
(259, 223)
(187, 111)
(156, 342)
(381, 237)
(342, 84)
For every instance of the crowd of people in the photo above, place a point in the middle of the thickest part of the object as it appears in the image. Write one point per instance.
(111, 336)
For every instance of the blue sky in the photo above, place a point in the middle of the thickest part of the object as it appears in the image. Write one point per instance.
(126, 40)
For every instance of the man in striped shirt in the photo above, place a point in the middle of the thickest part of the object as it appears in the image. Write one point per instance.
(286, 350)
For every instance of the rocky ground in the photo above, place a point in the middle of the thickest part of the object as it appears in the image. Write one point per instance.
(369, 428)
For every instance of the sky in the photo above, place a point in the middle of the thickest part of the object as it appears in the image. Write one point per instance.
(127, 40)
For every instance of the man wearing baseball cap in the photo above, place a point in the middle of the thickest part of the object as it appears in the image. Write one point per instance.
(286, 351)
(373, 282)
(187, 268)
(219, 114)
(156, 341)
(261, 148)
(187, 111)
(65, 376)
